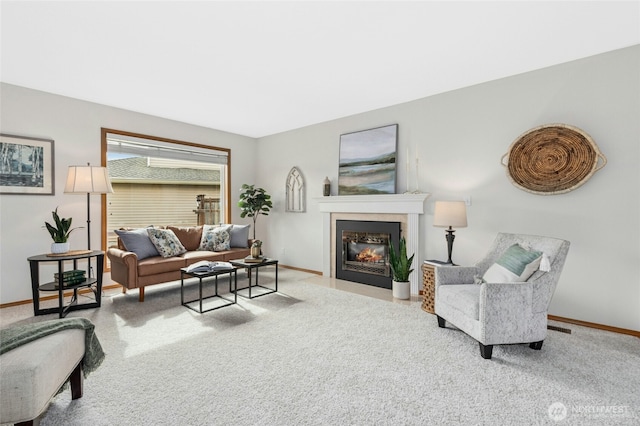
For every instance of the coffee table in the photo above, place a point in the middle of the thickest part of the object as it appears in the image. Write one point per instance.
(233, 276)
(240, 263)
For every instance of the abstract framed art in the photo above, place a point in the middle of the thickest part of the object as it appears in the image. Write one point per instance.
(368, 161)
(26, 165)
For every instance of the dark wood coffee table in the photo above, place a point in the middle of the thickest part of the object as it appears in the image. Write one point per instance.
(240, 263)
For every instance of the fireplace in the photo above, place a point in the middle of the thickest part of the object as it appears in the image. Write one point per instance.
(362, 251)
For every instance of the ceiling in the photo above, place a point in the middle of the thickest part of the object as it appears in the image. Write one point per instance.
(260, 68)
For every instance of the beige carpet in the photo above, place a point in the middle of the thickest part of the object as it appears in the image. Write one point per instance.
(311, 355)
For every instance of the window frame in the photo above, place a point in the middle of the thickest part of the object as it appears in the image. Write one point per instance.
(103, 159)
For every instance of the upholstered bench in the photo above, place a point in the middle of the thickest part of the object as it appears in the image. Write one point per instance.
(32, 373)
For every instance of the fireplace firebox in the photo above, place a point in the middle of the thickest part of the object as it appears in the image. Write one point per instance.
(362, 251)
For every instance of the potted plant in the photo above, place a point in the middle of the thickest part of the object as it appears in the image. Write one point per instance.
(254, 202)
(59, 233)
(401, 268)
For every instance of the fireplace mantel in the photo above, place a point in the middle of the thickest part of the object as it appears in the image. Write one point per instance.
(411, 205)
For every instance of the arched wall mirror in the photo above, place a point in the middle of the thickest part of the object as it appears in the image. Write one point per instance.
(295, 190)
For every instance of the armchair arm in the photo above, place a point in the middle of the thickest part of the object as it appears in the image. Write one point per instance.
(455, 275)
(124, 267)
(505, 310)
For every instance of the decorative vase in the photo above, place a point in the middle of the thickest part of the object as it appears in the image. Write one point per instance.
(326, 187)
(401, 289)
(59, 248)
(255, 252)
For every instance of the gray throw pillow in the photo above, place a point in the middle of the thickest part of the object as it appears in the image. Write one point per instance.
(239, 236)
(137, 241)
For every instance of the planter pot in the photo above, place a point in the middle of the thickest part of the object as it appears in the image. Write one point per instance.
(255, 252)
(401, 289)
(59, 248)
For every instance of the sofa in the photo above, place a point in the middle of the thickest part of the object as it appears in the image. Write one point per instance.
(155, 254)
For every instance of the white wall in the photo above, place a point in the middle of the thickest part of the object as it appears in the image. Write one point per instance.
(74, 126)
(461, 137)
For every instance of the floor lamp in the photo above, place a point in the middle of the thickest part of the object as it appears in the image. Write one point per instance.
(88, 180)
(450, 214)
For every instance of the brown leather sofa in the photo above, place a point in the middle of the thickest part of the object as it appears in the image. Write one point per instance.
(131, 272)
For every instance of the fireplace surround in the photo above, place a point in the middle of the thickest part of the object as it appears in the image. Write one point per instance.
(403, 208)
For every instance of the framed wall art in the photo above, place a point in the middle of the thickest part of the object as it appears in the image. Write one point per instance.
(26, 165)
(368, 161)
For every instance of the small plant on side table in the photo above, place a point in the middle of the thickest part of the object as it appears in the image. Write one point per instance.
(400, 265)
(60, 232)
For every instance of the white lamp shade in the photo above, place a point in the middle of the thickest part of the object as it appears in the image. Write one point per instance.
(88, 179)
(450, 213)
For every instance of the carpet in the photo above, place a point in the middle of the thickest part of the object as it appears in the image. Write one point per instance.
(312, 355)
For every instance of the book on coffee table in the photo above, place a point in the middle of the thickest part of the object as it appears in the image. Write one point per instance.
(208, 266)
(251, 259)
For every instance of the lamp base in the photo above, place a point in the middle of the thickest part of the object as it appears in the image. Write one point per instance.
(450, 237)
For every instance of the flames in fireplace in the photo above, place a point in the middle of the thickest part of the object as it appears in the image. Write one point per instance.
(366, 253)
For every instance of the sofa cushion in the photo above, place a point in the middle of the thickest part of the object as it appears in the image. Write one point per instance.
(464, 298)
(215, 238)
(158, 265)
(189, 236)
(138, 242)
(166, 242)
(239, 235)
(196, 256)
(516, 264)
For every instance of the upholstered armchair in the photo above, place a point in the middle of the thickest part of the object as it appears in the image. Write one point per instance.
(495, 301)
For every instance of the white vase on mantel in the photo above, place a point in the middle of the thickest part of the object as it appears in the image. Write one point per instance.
(401, 289)
(59, 248)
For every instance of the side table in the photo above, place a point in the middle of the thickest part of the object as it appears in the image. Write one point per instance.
(59, 285)
(233, 278)
(429, 284)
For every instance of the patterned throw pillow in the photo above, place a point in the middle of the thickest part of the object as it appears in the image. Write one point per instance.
(516, 264)
(166, 242)
(215, 238)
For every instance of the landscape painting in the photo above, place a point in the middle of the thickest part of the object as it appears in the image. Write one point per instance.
(26, 165)
(368, 161)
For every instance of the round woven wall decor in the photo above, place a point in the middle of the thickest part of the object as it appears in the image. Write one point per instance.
(552, 159)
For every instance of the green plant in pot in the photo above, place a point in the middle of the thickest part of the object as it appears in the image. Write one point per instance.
(254, 202)
(400, 265)
(60, 232)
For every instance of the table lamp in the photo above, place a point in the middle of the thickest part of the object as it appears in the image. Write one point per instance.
(450, 214)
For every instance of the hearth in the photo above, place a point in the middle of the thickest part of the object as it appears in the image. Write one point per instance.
(362, 251)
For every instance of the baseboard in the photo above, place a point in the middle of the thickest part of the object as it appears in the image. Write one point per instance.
(55, 297)
(595, 325)
(310, 271)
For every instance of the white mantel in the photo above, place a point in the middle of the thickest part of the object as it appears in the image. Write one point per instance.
(411, 205)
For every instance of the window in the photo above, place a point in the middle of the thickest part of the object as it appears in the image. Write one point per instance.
(158, 181)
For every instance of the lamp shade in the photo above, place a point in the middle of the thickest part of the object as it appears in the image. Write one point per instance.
(88, 179)
(450, 213)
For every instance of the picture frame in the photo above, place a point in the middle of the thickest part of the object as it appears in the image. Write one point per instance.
(368, 161)
(26, 165)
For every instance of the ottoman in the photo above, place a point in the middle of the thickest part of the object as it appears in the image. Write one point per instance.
(32, 374)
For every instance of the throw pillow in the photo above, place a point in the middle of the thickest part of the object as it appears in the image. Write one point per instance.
(239, 236)
(138, 242)
(515, 265)
(215, 238)
(166, 242)
(189, 236)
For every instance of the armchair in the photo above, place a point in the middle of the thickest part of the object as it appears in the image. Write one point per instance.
(497, 313)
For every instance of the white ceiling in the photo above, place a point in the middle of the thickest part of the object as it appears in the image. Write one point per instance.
(259, 68)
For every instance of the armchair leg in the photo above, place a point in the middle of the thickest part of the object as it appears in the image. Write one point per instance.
(536, 345)
(441, 321)
(485, 351)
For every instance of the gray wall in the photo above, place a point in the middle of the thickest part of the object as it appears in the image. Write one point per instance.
(460, 138)
(74, 126)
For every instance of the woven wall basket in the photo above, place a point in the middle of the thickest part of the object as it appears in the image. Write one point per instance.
(552, 159)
